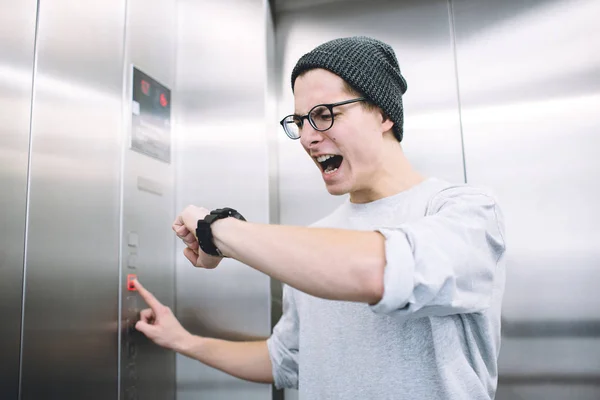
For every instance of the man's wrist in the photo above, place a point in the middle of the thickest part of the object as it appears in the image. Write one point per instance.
(187, 344)
(220, 228)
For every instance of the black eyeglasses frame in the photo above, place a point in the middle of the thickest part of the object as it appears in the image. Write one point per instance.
(301, 118)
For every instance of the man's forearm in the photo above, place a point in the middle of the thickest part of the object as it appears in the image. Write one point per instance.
(333, 264)
(244, 360)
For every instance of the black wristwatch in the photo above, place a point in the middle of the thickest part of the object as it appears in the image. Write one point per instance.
(204, 232)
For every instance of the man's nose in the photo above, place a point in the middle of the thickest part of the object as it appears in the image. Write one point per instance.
(310, 136)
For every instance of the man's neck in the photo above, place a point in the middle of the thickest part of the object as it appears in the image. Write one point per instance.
(396, 175)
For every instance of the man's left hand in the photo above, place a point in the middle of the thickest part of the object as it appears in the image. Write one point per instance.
(185, 227)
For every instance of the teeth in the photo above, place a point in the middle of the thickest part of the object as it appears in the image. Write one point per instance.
(330, 171)
(324, 157)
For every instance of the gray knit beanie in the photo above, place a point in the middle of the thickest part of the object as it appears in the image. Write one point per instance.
(369, 66)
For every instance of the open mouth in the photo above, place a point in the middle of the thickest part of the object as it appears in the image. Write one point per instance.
(330, 162)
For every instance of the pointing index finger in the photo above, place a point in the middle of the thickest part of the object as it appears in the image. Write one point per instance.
(147, 296)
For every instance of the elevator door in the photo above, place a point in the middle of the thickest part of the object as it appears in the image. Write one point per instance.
(70, 340)
(17, 33)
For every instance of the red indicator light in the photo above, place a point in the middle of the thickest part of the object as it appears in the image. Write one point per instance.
(130, 279)
(145, 87)
(163, 100)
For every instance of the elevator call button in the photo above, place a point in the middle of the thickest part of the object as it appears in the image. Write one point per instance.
(130, 279)
(133, 239)
(132, 261)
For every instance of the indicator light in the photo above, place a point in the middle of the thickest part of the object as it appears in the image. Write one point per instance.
(130, 279)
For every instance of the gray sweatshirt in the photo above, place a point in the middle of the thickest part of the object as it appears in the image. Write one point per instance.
(435, 334)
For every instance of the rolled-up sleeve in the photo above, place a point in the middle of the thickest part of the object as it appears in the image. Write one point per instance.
(283, 344)
(444, 263)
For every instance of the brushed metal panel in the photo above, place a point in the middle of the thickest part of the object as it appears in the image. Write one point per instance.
(70, 340)
(222, 160)
(530, 95)
(291, 5)
(17, 36)
(419, 32)
(551, 389)
(148, 371)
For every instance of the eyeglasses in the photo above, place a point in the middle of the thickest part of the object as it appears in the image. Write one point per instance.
(320, 118)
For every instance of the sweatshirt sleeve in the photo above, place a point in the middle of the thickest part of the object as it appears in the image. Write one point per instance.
(444, 263)
(283, 344)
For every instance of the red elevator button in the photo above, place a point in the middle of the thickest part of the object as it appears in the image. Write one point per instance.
(130, 279)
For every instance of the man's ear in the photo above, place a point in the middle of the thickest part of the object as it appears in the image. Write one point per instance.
(386, 123)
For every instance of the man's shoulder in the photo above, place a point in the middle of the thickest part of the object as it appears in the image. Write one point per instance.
(445, 191)
(469, 199)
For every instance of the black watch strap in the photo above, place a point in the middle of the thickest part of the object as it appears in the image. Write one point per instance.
(204, 231)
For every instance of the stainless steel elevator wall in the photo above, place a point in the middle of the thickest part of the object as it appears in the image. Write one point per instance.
(17, 33)
(148, 204)
(529, 78)
(70, 341)
(222, 162)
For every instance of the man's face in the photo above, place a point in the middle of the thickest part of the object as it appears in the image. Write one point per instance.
(355, 139)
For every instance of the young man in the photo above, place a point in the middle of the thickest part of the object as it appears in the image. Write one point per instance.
(394, 295)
